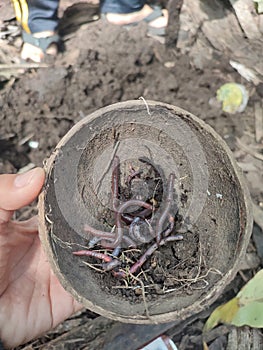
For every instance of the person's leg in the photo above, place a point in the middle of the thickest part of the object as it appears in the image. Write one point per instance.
(39, 20)
(121, 6)
(123, 12)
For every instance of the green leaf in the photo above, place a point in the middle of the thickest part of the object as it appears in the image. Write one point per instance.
(259, 5)
(245, 309)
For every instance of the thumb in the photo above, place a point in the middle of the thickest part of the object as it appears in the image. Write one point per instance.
(19, 190)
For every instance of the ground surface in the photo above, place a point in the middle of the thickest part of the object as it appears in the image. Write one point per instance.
(103, 64)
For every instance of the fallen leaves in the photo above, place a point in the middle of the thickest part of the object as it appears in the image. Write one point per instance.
(245, 309)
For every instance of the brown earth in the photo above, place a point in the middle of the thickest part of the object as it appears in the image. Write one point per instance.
(103, 64)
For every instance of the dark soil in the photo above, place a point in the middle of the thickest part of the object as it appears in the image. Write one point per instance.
(104, 64)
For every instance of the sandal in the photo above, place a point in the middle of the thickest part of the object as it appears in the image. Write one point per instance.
(41, 43)
(157, 12)
(152, 31)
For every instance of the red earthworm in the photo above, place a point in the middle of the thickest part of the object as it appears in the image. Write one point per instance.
(105, 237)
(145, 213)
(145, 256)
(99, 233)
(135, 202)
(119, 274)
(111, 265)
(133, 174)
(163, 217)
(129, 243)
(116, 252)
(170, 227)
(151, 250)
(127, 218)
(171, 239)
(94, 254)
(116, 238)
(114, 262)
(119, 233)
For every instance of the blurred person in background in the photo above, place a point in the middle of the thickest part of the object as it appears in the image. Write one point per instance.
(39, 21)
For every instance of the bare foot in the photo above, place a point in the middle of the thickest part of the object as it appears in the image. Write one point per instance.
(123, 19)
(35, 54)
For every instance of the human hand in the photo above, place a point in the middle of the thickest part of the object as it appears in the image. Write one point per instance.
(32, 301)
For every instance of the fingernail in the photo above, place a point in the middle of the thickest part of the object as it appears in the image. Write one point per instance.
(23, 180)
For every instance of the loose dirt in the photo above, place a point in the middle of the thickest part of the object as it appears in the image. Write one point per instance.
(103, 64)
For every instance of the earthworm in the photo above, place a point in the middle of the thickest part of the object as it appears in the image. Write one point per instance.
(151, 250)
(114, 240)
(170, 227)
(116, 252)
(171, 239)
(99, 233)
(133, 202)
(111, 265)
(145, 256)
(120, 211)
(129, 242)
(164, 215)
(145, 213)
(119, 232)
(119, 274)
(133, 174)
(115, 189)
(114, 262)
(94, 254)
(127, 218)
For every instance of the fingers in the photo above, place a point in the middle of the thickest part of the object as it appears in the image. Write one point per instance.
(19, 190)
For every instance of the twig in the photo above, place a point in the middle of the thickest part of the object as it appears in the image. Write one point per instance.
(249, 150)
(258, 121)
(92, 266)
(165, 213)
(194, 280)
(146, 104)
(143, 294)
(23, 65)
(200, 263)
(108, 165)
